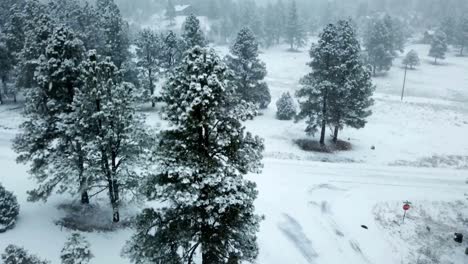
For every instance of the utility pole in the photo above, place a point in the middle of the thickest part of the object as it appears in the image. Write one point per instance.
(404, 83)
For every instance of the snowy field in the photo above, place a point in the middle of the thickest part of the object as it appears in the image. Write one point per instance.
(314, 204)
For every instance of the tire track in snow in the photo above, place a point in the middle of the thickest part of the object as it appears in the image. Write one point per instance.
(294, 232)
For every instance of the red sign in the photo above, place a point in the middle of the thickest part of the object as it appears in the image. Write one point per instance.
(406, 207)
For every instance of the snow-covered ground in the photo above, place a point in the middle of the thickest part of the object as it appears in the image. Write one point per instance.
(314, 204)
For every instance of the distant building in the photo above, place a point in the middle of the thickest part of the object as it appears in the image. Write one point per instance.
(183, 10)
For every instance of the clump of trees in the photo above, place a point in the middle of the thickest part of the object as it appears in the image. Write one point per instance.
(295, 33)
(338, 91)
(9, 209)
(382, 39)
(81, 132)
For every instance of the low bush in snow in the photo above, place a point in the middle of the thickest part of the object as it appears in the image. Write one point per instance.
(18, 255)
(286, 109)
(9, 209)
(76, 250)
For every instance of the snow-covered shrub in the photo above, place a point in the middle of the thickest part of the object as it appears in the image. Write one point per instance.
(18, 255)
(76, 250)
(286, 107)
(9, 209)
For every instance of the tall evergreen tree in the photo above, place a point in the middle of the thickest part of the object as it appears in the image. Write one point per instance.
(271, 29)
(55, 156)
(438, 46)
(379, 45)
(6, 66)
(295, 33)
(449, 26)
(462, 34)
(339, 89)
(172, 51)
(192, 34)
(202, 159)
(37, 27)
(112, 133)
(115, 32)
(352, 97)
(249, 71)
(281, 21)
(149, 53)
(12, 40)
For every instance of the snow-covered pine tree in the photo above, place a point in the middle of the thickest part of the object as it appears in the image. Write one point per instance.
(449, 26)
(317, 86)
(192, 33)
(170, 12)
(397, 34)
(286, 108)
(149, 52)
(37, 27)
(55, 155)
(379, 44)
(202, 160)
(172, 51)
(5, 10)
(412, 59)
(249, 71)
(76, 250)
(462, 34)
(9, 209)
(115, 32)
(351, 99)
(13, 38)
(270, 24)
(6, 66)
(251, 18)
(438, 46)
(338, 91)
(295, 33)
(18, 255)
(281, 21)
(82, 18)
(112, 132)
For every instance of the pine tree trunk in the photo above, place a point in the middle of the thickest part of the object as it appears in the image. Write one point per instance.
(153, 104)
(4, 89)
(114, 199)
(209, 257)
(84, 197)
(461, 50)
(335, 134)
(374, 70)
(324, 119)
